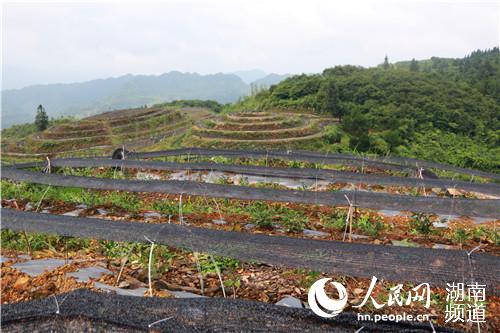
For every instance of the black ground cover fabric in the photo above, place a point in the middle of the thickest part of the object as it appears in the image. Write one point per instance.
(389, 163)
(488, 208)
(82, 310)
(392, 263)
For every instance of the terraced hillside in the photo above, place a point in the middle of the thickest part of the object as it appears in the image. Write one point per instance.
(132, 128)
(254, 129)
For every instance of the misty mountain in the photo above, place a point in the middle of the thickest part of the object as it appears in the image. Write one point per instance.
(270, 79)
(91, 97)
(250, 76)
(86, 98)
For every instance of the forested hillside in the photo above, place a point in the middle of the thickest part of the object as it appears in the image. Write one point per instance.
(481, 69)
(428, 110)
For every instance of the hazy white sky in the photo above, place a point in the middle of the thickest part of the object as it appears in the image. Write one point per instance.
(47, 42)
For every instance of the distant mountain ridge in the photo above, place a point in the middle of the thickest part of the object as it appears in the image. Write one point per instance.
(260, 78)
(90, 97)
(250, 76)
(271, 79)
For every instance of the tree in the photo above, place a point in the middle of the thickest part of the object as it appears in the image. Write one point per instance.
(329, 99)
(414, 65)
(386, 62)
(41, 119)
(357, 125)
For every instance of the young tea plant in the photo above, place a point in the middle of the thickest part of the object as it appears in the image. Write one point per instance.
(165, 207)
(292, 221)
(223, 263)
(420, 224)
(334, 221)
(480, 233)
(372, 227)
(261, 215)
(461, 236)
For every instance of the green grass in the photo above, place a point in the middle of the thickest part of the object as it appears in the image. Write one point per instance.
(37, 242)
(36, 193)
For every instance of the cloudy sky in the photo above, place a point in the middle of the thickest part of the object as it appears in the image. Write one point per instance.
(47, 42)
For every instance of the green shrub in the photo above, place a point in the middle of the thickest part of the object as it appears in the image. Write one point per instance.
(379, 145)
(209, 123)
(332, 134)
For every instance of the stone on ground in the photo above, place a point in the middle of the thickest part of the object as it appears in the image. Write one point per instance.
(291, 302)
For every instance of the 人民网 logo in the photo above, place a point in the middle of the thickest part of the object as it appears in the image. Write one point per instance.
(465, 302)
(321, 304)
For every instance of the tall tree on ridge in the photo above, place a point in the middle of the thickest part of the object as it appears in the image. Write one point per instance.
(386, 62)
(41, 119)
(414, 65)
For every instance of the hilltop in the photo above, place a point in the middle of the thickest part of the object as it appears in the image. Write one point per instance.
(447, 113)
(481, 69)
